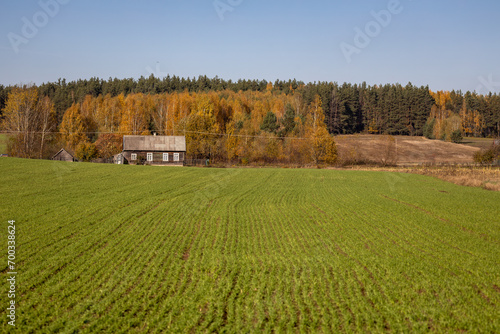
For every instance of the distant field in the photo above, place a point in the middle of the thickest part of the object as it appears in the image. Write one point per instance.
(110, 249)
(483, 143)
(404, 150)
(3, 143)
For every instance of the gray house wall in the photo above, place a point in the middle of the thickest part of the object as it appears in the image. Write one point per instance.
(157, 145)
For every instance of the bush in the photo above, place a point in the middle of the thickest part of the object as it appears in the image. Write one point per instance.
(456, 136)
(86, 151)
(488, 156)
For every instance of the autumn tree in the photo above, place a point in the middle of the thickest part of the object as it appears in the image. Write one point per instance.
(161, 114)
(109, 113)
(201, 128)
(46, 122)
(109, 144)
(323, 148)
(89, 110)
(136, 117)
(30, 121)
(72, 128)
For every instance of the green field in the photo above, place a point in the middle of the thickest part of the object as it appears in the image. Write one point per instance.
(112, 249)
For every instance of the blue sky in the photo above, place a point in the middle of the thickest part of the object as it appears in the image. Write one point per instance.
(445, 44)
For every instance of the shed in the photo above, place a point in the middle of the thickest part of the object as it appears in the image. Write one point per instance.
(63, 155)
(154, 150)
(120, 159)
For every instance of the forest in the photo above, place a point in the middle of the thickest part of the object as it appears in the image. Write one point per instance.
(247, 121)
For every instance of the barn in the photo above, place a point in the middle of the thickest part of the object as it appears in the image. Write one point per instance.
(63, 155)
(154, 150)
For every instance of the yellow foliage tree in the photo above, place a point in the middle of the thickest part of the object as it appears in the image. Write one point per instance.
(72, 127)
(323, 148)
(135, 119)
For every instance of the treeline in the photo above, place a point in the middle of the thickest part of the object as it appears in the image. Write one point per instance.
(228, 120)
(64, 94)
(244, 127)
(470, 114)
(388, 109)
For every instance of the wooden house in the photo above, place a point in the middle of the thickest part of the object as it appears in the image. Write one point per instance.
(154, 150)
(63, 155)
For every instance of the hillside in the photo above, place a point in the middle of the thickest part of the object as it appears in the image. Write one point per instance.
(119, 248)
(404, 150)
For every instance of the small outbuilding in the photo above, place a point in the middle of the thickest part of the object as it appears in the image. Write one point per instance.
(120, 159)
(63, 155)
(154, 150)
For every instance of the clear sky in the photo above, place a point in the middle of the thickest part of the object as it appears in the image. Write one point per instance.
(448, 44)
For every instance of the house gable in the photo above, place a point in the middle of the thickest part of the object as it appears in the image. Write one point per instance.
(63, 155)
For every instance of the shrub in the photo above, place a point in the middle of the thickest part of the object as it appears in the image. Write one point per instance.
(488, 156)
(86, 151)
(456, 136)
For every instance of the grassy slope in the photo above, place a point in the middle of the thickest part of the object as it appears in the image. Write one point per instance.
(104, 248)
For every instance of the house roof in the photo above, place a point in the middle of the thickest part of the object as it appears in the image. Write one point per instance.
(62, 151)
(154, 143)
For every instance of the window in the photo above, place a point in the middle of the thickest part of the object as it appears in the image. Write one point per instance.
(165, 156)
(176, 156)
(133, 156)
(150, 157)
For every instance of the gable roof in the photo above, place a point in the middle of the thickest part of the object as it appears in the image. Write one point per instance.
(154, 143)
(63, 151)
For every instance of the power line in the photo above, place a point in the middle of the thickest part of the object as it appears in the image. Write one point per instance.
(191, 132)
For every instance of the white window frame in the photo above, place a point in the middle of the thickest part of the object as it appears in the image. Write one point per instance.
(149, 157)
(133, 156)
(165, 157)
(177, 156)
